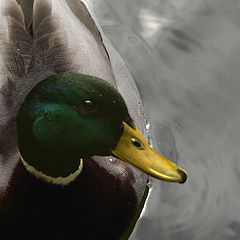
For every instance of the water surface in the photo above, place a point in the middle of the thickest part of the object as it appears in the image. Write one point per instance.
(185, 58)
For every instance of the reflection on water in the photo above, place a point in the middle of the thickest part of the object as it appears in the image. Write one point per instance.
(185, 58)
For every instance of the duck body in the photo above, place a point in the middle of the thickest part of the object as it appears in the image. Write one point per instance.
(91, 195)
(104, 197)
(36, 210)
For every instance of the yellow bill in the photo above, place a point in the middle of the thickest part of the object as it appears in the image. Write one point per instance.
(134, 149)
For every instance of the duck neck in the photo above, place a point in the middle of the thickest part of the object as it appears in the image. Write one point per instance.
(58, 166)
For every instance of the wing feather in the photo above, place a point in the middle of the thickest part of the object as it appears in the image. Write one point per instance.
(15, 55)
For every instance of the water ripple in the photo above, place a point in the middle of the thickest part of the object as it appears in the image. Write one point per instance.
(185, 58)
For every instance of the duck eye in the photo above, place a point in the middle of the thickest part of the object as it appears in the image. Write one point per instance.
(136, 142)
(88, 105)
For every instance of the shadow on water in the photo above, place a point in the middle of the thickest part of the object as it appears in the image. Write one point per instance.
(184, 56)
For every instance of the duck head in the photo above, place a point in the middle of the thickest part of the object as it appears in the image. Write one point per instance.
(69, 116)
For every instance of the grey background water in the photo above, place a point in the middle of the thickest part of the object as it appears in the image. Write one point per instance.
(185, 58)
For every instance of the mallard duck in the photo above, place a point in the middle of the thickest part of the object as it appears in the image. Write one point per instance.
(69, 112)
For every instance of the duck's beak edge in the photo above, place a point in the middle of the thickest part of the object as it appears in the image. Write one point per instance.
(134, 149)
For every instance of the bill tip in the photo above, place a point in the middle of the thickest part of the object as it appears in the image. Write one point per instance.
(183, 175)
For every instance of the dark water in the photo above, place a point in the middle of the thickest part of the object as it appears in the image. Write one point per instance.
(185, 58)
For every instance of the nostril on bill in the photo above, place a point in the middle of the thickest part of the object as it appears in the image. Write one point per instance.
(183, 175)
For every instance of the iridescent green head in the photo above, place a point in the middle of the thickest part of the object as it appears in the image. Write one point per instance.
(71, 116)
